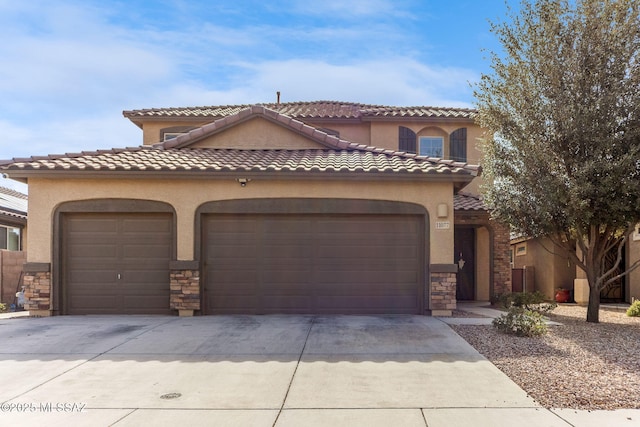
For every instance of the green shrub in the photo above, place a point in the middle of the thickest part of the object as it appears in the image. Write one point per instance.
(521, 322)
(634, 310)
(532, 301)
(3, 307)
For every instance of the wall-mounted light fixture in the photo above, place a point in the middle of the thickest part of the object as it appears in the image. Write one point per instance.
(443, 210)
(461, 262)
(243, 181)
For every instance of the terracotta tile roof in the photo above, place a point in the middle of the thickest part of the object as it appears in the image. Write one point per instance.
(467, 202)
(176, 155)
(13, 203)
(155, 159)
(308, 110)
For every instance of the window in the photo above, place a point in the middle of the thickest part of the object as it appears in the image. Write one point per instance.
(406, 140)
(521, 249)
(431, 146)
(330, 131)
(10, 238)
(171, 135)
(636, 232)
(458, 145)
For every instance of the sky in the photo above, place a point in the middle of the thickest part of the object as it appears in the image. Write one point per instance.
(70, 67)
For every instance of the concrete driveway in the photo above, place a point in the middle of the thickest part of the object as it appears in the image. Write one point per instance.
(252, 371)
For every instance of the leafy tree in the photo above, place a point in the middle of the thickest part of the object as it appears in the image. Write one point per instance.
(562, 110)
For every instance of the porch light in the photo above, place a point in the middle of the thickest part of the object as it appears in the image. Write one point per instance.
(443, 210)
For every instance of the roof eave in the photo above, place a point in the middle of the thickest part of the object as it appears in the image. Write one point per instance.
(461, 179)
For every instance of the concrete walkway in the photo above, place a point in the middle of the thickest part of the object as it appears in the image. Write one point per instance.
(258, 371)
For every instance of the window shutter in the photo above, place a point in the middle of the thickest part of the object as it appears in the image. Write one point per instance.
(406, 140)
(458, 145)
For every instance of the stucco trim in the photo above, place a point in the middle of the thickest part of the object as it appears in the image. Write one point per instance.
(36, 267)
(444, 268)
(184, 265)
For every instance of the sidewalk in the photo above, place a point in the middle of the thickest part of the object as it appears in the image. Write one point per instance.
(486, 314)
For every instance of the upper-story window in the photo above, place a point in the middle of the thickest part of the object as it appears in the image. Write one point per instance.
(173, 132)
(432, 146)
(170, 135)
(406, 140)
(458, 145)
(10, 238)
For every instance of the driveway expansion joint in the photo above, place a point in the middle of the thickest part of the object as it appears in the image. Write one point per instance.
(306, 339)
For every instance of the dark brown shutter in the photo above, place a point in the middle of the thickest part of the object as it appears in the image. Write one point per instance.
(458, 145)
(406, 140)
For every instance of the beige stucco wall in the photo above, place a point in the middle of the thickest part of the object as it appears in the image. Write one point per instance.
(551, 271)
(186, 195)
(257, 133)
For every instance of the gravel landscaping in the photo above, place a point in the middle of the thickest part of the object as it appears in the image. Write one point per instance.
(577, 365)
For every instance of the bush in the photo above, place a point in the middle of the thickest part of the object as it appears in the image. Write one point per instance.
(634, 310)
(3, 307)
(521, 322)
(532, 301)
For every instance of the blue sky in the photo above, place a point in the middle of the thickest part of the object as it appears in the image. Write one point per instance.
(71, 67)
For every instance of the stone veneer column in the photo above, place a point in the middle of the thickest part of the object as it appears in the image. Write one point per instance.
(37, 288)
(501, 258)
(184, 282)
(443, 289)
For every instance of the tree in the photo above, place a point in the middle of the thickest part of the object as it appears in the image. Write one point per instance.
(562, 111)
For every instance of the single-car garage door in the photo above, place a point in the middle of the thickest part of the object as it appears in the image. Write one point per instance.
(116, 263)
(315, 264)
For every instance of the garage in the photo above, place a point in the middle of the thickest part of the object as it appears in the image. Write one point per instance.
(116, 263)
(312, 263)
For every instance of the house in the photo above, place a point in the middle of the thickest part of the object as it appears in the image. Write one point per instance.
(13, 226)
(548, 269)
(303, 207)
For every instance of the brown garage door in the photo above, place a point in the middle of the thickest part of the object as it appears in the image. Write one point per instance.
(116, 263)
(350, 264)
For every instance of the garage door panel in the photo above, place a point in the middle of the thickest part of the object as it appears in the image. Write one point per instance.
(116, 263)
(368, 253)
(93, 276)
(90, 251)
(313, 263)
(238, 253)
(88, 304)
(387, 278)
(145, 225)
(230, 304)
(286, 304)
(94, 225)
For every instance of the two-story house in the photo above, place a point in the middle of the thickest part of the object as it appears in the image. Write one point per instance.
(303, 207)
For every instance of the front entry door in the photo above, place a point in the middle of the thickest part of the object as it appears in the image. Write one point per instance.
(465, 258)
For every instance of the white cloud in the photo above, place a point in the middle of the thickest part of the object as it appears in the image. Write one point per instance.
(397, 81)
(73, 68)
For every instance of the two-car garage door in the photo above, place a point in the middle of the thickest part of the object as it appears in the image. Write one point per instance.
(313, 263)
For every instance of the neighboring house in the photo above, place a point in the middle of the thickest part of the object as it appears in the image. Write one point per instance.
(550, 270)
(13, 226)
(545, 266)
(304, 207)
